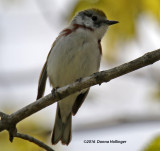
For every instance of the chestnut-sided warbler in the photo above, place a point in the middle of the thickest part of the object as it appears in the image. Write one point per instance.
(76, 53)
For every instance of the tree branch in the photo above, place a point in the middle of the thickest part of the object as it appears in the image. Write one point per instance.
(34, 140)
(114, 122)
(96, 78)
(9, 122)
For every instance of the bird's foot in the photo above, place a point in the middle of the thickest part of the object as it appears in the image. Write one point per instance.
(55, 93)
(79, 80)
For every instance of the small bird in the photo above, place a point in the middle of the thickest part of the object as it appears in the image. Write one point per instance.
(76, 53)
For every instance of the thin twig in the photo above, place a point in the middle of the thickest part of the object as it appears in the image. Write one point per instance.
(117, 121)
(33, 140)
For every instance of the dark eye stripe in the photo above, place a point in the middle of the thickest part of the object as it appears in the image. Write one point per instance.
(88, 14)
(94, 18)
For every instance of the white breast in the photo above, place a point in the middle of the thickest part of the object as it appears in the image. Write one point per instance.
(72, 57)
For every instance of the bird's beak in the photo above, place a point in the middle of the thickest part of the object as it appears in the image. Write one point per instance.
(110, 22)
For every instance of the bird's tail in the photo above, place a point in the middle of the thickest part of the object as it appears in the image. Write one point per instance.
(62, 131)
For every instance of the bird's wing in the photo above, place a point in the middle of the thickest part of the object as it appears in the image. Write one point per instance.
(43, 75)
(78, 102)
(42, 81)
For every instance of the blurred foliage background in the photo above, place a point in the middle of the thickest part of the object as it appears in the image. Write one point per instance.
(127, 12)
(154, 145)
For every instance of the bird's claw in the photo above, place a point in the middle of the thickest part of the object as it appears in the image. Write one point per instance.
(79, 80)
(55, 93)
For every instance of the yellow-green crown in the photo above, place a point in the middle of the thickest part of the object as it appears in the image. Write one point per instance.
(99, 12)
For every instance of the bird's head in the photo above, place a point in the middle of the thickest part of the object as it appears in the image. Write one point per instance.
(94, 19)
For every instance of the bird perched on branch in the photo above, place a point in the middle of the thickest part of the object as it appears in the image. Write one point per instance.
(76, 53)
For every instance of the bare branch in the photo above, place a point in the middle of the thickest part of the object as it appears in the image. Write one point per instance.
(33, 140)
(13, 133)
(114, 122)
(97, 78)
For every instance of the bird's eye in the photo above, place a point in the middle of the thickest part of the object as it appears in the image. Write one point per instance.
(94, 18)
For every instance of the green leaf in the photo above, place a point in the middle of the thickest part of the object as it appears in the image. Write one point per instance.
(154, 145)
